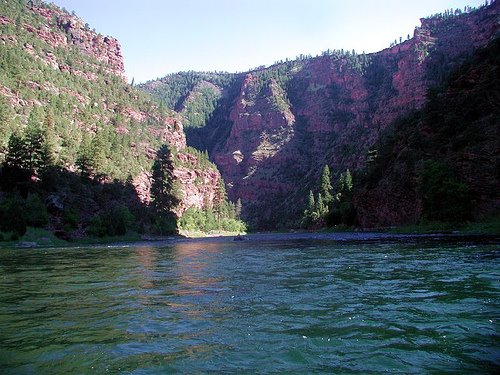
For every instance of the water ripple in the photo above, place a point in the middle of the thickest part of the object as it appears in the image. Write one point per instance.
(266, 305)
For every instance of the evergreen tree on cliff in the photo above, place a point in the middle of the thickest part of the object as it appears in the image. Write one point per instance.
(326, 186)
(162, 186)
(309, 212)
(36, 148)
(164, 199)
(16, 156)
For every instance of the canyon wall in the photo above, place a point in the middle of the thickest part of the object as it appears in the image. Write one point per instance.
(277, 127)
(55, 65)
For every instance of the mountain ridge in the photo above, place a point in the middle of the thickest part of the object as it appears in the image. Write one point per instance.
(272, 135)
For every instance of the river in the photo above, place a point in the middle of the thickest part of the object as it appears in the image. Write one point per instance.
(332, 303)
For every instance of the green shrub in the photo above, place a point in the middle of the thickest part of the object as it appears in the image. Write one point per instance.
(233, 225)
(36, 211)
(71, 218)
(164, 224)
(195, 219)
(96, 227)
(13, 215)
(444, 197)
(114, 222)
(118, 220)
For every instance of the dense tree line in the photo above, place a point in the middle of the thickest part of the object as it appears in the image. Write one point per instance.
(34, 192)
(332, 204)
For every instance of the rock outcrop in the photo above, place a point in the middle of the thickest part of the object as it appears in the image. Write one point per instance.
(200, 185)
(63, 29)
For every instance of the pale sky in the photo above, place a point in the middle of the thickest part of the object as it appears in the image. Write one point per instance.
(159, 37)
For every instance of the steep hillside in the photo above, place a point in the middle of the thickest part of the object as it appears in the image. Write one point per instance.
(64, 82)
(442, 162)
(56, 69)
(277, 127)
(200, 99)
(194, 95)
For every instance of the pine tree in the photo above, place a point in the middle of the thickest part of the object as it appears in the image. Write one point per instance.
(311, 206)
(6, 114)
(342, 209)
(36, 147)
(321, 208)
(98, 147)
(84, 159)
(326, 186)
(163, 196)
(238, 209)
(309, 215)
(345, 182)
(50, 135)
(17, 153)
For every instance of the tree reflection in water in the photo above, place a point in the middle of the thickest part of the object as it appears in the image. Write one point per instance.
(183, 277)
(196, 267)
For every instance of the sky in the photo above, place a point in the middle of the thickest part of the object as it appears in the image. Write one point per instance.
(159, 37)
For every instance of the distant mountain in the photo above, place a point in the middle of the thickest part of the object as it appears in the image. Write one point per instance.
(192, 94)
(271, 130)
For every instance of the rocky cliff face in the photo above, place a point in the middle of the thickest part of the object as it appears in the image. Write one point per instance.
(62, 30)
(59, 72)
(457, 131)
(201, 185)
(285, 122)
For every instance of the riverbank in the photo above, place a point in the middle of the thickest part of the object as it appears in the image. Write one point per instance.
(200, 234)
(489, 227)
(36, 237)
(486, 227)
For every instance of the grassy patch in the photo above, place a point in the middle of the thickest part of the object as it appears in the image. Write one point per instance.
(34, 237)
(41, 237)
(213, 233)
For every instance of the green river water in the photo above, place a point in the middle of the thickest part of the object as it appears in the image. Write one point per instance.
(337, 303)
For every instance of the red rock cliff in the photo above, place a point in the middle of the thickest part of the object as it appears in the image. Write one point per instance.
(330, 110)
(73, 31)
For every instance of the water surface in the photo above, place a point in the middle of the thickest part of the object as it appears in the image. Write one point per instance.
(328, 303)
